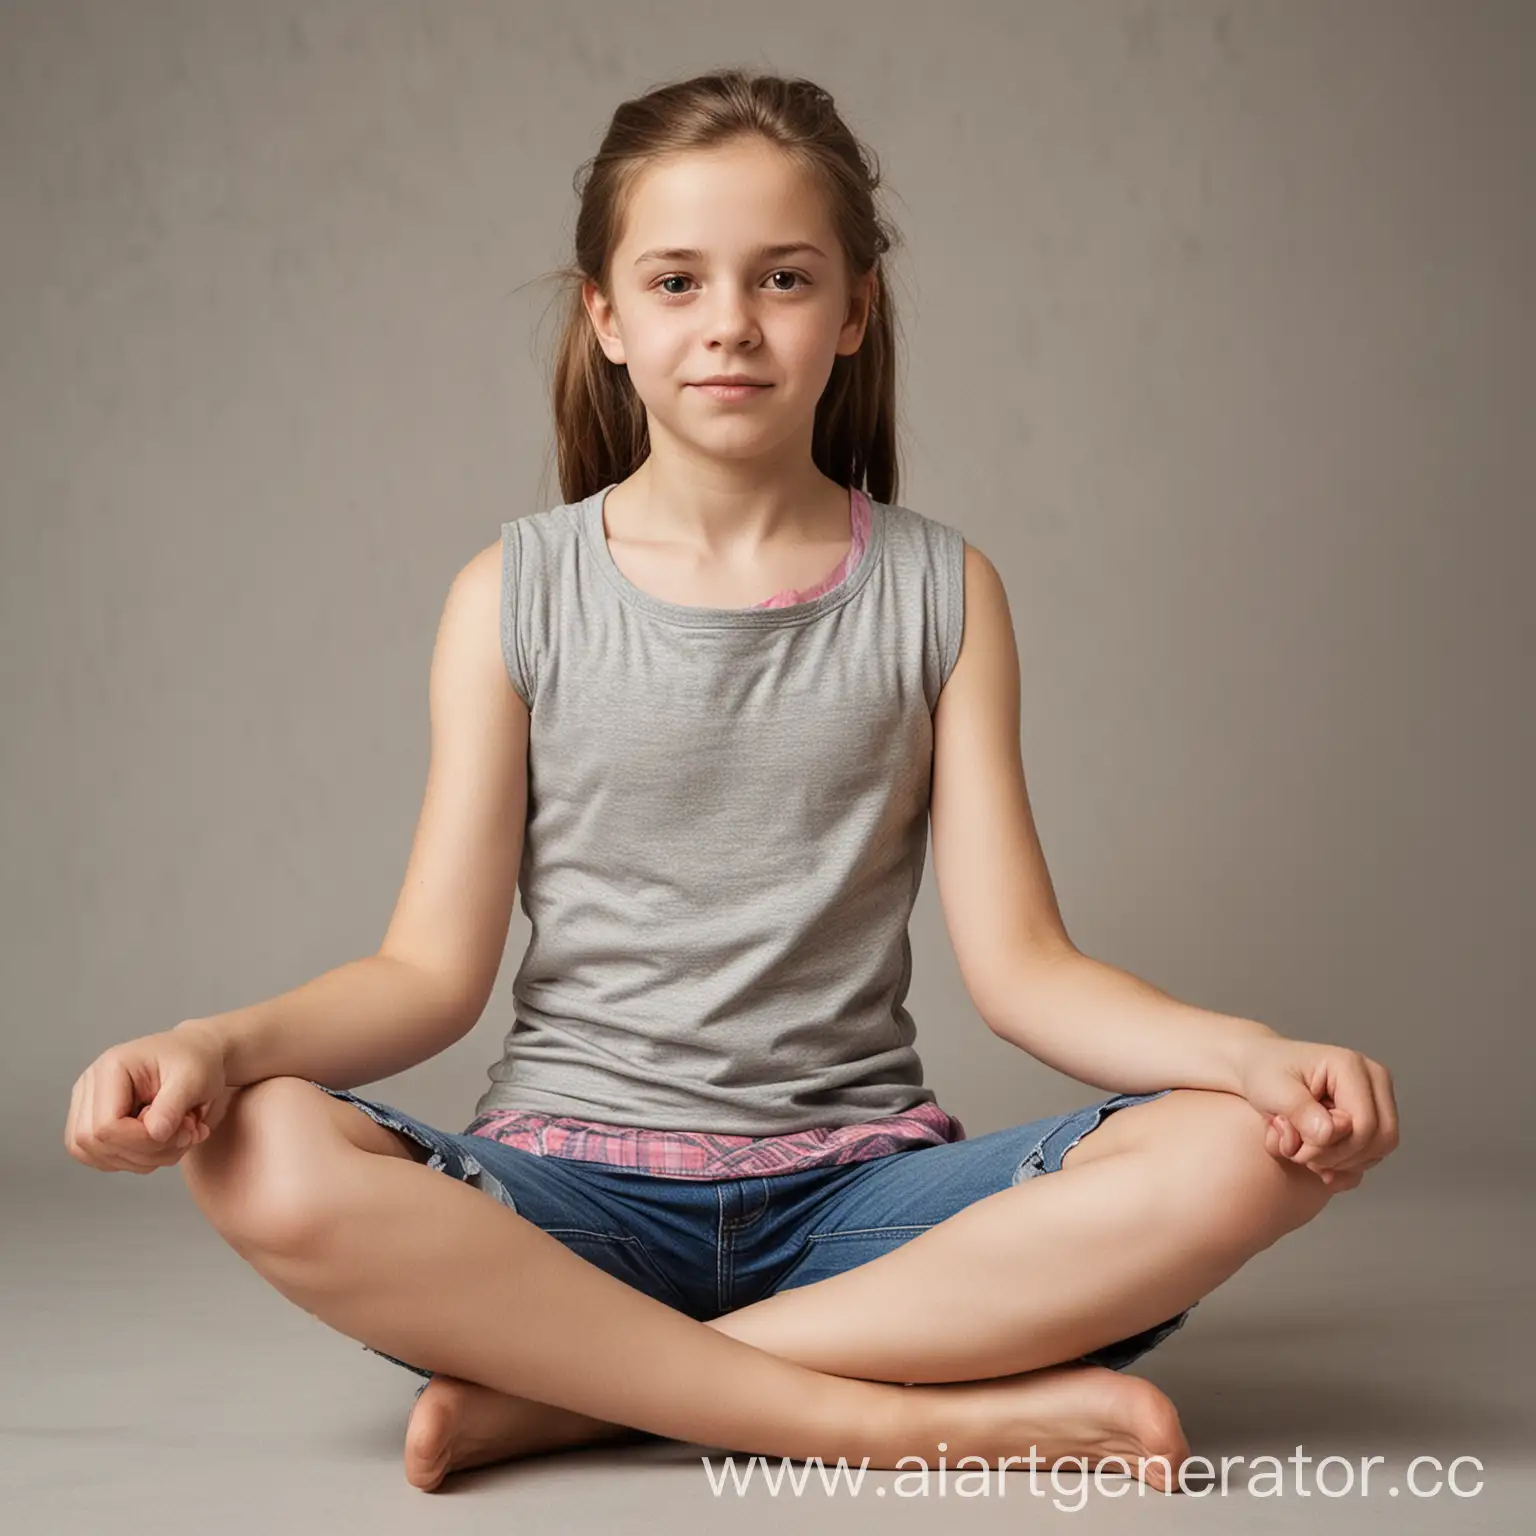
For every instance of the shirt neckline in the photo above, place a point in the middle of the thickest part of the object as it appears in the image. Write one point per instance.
(589, 514)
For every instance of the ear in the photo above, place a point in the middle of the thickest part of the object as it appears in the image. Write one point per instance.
(604, 320)
(861, 304)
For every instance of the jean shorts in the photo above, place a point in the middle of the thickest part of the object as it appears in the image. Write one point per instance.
(707, 1247)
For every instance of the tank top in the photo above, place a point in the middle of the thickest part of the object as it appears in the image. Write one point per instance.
(714, 1153)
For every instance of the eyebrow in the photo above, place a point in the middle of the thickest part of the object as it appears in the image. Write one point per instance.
(762, 253)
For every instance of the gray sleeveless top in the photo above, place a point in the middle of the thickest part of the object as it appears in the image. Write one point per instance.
(727, 828)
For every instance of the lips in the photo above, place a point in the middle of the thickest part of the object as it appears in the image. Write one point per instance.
(731, 394)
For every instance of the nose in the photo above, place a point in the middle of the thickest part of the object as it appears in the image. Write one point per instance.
(731, 319)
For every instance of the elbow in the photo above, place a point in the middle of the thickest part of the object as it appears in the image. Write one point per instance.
(1005, 993)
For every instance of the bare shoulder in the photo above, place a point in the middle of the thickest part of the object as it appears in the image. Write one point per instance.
(482, 573)
(469, 634)
(986, 643)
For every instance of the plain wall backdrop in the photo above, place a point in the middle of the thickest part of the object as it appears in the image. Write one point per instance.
(1218, 326)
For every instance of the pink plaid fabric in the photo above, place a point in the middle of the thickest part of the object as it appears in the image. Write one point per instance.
(706, 1154)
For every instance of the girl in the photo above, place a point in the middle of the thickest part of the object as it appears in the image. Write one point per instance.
(702, 712)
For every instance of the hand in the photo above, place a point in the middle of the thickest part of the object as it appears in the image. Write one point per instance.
(140, 1105)
(1328, 1108)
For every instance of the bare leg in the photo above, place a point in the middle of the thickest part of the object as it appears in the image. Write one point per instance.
(1150, 1212)
(597, 1347)
(393, 1254)
(867, 1321)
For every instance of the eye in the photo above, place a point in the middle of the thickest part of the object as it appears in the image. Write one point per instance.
(680, 277)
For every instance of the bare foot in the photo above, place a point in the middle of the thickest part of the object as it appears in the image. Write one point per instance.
(457, 1424)
(1085, 1412)
(1088, 1413)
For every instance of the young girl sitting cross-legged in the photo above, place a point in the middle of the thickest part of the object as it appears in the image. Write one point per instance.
(702, 713)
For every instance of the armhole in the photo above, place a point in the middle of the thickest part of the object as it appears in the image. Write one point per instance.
(511, 646)
(951, 604)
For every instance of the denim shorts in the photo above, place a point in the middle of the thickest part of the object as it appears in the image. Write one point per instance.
(707, 1247)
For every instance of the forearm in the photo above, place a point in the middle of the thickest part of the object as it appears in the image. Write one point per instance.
(363, 1021)
(1111, 1029)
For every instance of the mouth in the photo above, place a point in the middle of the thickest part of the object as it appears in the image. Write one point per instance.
(732, 391)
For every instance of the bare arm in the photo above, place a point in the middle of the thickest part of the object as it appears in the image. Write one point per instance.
(1028, 980)
(1112, 1030)
(363, 1021)
(434, 970)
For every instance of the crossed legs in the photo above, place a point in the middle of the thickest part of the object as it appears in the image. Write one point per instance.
(1150, 1211)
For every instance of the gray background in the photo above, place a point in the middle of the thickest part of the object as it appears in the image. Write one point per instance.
(1218, 326)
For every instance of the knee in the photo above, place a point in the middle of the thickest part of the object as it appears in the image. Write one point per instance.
(1240, 1192)
(256, 1178)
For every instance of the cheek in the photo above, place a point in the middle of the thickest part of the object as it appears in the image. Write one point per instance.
(656, 363)
(810, 365)
(814, 339)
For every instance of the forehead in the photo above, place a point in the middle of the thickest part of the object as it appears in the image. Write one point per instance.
(726, 203)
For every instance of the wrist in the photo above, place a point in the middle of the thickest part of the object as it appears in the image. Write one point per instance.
(207, 1030)
(1247, 1040)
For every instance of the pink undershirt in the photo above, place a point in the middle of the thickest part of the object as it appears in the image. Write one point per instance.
(708, 1154)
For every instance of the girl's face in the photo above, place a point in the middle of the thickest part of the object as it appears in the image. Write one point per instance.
(729, 264)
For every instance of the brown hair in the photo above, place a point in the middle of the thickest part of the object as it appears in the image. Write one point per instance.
(600, 428)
